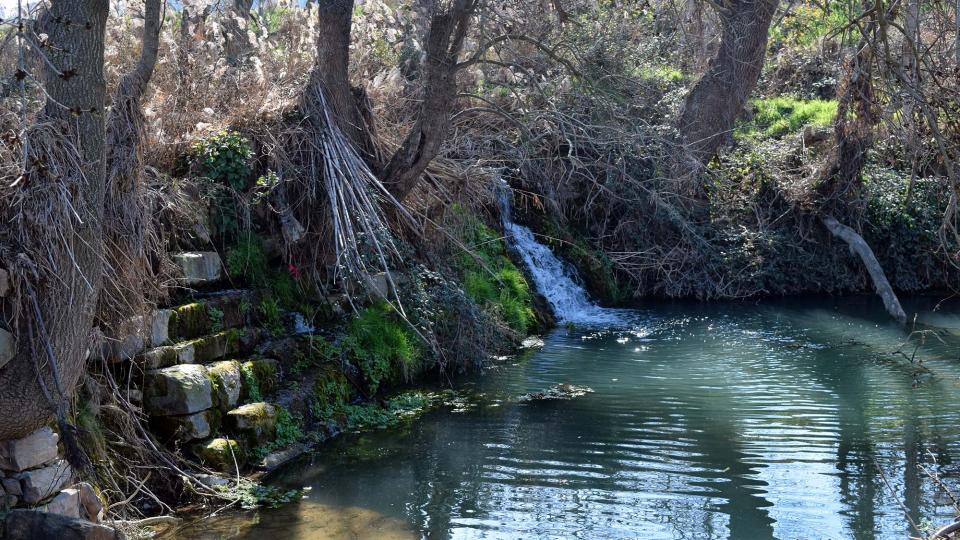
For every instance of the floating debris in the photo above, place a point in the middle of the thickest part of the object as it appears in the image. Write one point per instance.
(560, 391)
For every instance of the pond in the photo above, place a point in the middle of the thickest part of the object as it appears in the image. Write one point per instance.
(778, 419)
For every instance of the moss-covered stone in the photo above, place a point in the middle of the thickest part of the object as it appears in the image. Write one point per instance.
(331, 388)
(221, 454)
(190, 320)
(226, 343)
(227, 383)
(255, 423)
(166, 356)
(261, 377)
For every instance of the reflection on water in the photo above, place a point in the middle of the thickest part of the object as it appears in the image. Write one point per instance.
(771, 420)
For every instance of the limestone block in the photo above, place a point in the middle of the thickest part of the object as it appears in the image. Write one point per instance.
(38, 484)
(31, 451)
(220, 453)
(32, 525)
(186, 428)
(182, 389)
(199, 267)
(256, 422)
(91, 505)
(227, 383)
(66, 503)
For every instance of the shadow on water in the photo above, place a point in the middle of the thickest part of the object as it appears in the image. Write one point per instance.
(732, 420)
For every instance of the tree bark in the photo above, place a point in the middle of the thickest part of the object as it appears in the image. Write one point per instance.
(859, 246)
(127, 216)
(718, 98)
(58, 309)
(448, 29)
(332, 70)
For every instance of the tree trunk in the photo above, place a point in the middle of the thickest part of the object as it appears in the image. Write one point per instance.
(128, 219)
(717, 99)
(859, 246)
(332, 70)
(59, 303)
(448, 29)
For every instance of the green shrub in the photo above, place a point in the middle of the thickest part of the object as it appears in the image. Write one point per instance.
(381, 345)
(247, 259)
(224, 158)
(779, 116)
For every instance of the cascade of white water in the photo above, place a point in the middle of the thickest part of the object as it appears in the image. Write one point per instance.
(557, 281)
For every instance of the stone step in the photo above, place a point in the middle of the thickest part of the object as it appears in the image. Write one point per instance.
(187, 389)
(199, 267)
(211, 314)
(203, 350)
(253, 424)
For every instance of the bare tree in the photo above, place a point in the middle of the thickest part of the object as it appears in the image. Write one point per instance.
(64, 191)
(717, 99)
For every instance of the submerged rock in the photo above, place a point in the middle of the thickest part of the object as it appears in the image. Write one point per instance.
(559, 391)
(32, 525)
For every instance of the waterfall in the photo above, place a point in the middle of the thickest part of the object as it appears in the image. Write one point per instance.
(556, 280)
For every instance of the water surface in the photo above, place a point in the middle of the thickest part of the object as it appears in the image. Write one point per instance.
(784, 420)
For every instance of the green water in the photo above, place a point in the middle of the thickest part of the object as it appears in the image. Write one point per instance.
(734, 420)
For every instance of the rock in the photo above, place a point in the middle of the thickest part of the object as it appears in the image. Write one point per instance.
(168, 355)
(227, 383)
(274, 460)
(219, 313)
(32, 525)
(12, 486)
(212, 480)
(209, 348)
(31, 451)
(532, 342)
(160, 327)
(91, 505)
(264, 372)
(4, 283)
(380, 285)
(199, 267)
(220, 453)
(38, 484)
(188, 427)
(66, 503)
(182, 389)
(557, 392)
(255, 422)
(7, 347)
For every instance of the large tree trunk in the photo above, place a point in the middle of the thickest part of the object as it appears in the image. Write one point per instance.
(448, 29)
(57, 304)
(332, 70)
(717, 99)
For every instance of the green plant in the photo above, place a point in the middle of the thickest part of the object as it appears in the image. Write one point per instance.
(490, 278)
(382, 345)
(271, 315)
(224, 158)
(288, 429)
(216, 319)
(248, 259)
(779, 116)
(251, 382)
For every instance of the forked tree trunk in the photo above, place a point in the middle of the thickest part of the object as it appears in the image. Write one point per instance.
(58, 307)
(448, 29)
(715, 102)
